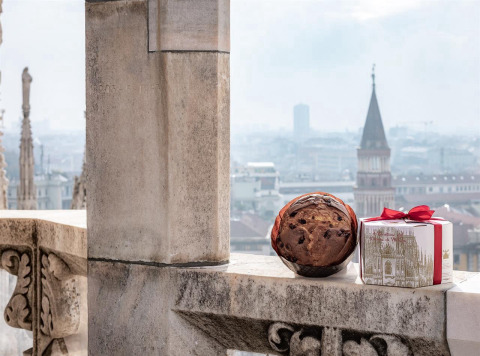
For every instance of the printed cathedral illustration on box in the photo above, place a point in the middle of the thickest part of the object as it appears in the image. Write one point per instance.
(393, 257)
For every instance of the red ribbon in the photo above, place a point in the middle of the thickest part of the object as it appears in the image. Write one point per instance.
(419, 213)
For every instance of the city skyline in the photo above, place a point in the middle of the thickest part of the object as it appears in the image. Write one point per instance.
(427, 57)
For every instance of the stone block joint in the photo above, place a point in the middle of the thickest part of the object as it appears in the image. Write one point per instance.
(194, 25)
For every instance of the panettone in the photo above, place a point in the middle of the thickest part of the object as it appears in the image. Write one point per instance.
(315, 230)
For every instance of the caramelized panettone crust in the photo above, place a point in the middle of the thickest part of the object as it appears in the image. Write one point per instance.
(316, 230)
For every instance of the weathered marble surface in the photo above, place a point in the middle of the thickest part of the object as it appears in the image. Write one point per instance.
(192, 25)
(463, 317)
(252, 293)
(238, 305)
(130, 314)
(157, 128)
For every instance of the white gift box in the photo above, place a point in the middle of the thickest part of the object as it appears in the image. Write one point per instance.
(406, 253)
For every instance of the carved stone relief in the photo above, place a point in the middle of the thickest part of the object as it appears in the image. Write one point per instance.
(285, 338)
(18, 313)
(377, 345)
(58, 313)
(307, 341)
(60, 307)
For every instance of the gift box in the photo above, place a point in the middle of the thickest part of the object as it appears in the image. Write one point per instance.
(406, 250)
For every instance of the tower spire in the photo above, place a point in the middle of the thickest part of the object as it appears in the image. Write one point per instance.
(27, 192)
(373, 76)
(374, 190)
(373, 133)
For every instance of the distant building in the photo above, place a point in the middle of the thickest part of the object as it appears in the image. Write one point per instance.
(255, 187)
(326, 158)
(374, 189)
(466, 232)
(343, 190)
(436, 190)
(415, 159)
(79, 194)
(469, 255)
(251, 234)
(301, 121)
(54, 192)
(400, 132)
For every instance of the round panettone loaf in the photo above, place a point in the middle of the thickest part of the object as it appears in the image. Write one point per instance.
(316, 230)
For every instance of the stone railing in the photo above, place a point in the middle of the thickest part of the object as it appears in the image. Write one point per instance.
(47, 252)
(253, 303)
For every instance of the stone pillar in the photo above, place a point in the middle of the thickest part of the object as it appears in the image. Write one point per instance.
(158, 131)
(157, 165)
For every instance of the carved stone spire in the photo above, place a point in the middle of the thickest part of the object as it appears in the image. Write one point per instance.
(3, 173)
(27, 193)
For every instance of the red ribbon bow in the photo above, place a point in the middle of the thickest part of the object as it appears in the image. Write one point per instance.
(418, 213)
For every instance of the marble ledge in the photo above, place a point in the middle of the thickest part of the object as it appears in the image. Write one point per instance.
(271, 266)
(62, 231)
(75, 218)
(441, 320)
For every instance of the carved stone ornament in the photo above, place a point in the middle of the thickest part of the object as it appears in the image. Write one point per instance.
(18, 313)
(307, 341)
(377, 345)
(60, 308)
(284, 338)
(58, 313)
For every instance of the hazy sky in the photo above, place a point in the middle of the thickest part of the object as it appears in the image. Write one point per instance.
(427, 56)
(48, 37)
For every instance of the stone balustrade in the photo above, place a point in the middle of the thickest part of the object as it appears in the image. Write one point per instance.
(253, 303)
(47, 251)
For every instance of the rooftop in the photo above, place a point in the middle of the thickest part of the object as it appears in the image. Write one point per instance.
(436, 179)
